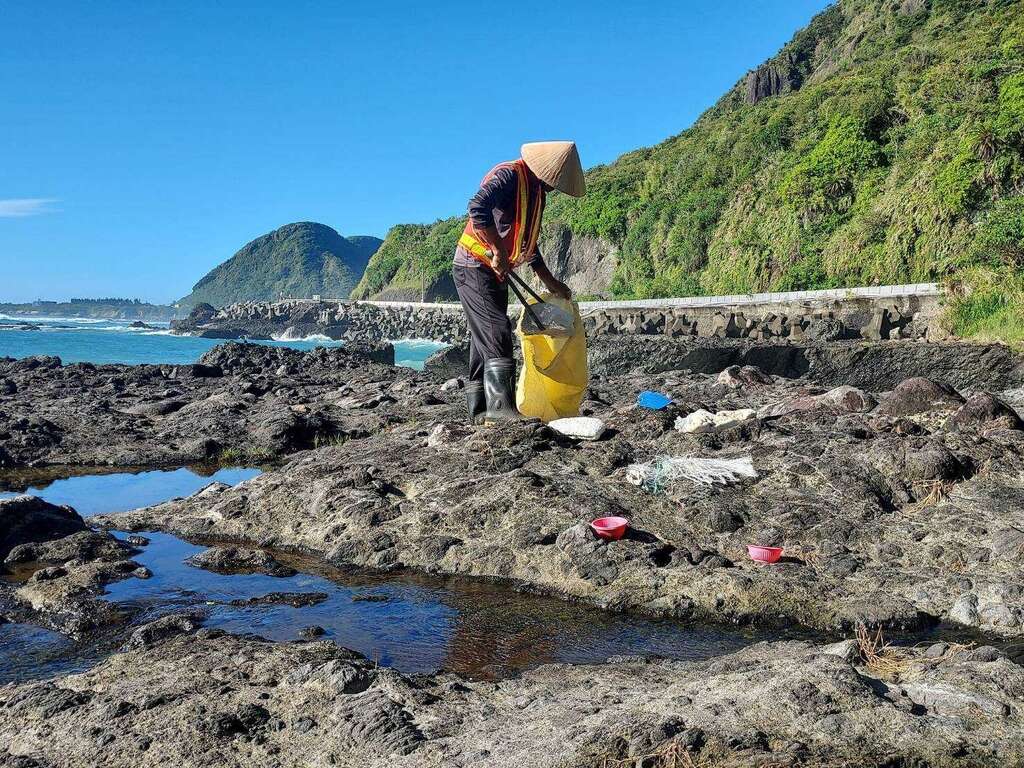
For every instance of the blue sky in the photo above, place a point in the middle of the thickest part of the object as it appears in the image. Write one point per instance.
(143, 143)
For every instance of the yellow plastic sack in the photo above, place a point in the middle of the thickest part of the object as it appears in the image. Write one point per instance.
(554, 376)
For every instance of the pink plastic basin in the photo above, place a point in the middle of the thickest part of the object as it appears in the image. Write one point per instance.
(611, 528)
(764, 554)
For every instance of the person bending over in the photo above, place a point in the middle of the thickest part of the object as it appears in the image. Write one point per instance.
(501, 236)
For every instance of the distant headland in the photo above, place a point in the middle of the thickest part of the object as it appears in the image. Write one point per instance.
(100, 309)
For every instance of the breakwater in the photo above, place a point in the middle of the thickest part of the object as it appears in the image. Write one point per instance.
(879, 313)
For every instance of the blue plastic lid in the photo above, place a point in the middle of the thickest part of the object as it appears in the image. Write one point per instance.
(653, 400)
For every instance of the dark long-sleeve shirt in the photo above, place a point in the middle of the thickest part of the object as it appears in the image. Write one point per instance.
(495, 204)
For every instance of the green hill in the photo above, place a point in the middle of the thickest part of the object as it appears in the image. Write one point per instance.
(413, 263)
(298, 260)
(882, 144)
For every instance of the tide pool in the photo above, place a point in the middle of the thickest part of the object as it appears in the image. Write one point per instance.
(413, 622)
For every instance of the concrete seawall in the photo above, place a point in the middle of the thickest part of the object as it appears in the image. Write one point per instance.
(878, 313)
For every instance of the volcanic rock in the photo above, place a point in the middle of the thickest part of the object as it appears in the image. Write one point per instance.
(783, 703)
(25, 519)
(230, 560)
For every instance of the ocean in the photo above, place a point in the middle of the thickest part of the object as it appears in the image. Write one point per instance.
(77, 340)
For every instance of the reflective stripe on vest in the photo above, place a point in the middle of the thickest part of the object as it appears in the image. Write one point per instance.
(475, 247)
(524, 234)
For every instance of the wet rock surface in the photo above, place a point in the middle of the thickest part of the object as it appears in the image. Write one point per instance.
(239, 402)
(25, 520)
(185, 697)
(239, 560)
(58, 579)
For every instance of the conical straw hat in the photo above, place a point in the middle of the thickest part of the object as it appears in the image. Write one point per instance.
(556, 163)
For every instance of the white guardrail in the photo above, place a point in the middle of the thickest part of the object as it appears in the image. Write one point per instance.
(778, 297)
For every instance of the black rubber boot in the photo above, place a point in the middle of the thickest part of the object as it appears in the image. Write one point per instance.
(476, 403)
(500, 390)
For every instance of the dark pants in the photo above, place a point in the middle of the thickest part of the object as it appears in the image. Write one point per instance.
(485, 300)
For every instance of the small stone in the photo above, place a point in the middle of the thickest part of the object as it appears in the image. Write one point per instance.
(579, 427)
(847, 650)
(983, 410)
(370, 598)
(150, 634)
(232, 560)
(701, 421)
(736, 376)
(936, 650)
(965, 610)
(984, 653)
(222, 725)
(438, 436)
(920, 395)
(253, 716)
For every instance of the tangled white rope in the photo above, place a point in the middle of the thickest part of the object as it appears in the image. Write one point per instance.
(655, 475)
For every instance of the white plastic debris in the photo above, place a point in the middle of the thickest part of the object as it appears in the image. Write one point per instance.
(657, 474)
(704, 421)
(579, 427)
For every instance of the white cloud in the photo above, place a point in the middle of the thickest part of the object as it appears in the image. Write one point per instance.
(19, 207)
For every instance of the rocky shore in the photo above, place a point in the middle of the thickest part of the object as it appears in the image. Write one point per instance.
(254, 403)
(897, 505)
(238, 403)
(176, 696)
(897, 509)
(64, 566)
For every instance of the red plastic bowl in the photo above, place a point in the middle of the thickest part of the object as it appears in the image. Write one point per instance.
(764, 554)
(611, 528)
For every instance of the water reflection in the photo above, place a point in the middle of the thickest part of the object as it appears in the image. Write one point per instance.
(414, 622)
(119, 490)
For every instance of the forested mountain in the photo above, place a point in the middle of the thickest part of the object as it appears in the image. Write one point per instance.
(413, 263)
(882, 144)
(298, 260)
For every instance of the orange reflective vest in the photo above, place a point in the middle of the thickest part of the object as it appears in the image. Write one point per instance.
(521, 240)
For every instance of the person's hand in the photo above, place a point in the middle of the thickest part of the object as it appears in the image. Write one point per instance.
(500, 262)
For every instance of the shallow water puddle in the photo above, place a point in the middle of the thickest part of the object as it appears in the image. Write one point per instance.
(95, 494)
(28, 652)
(412, 622)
